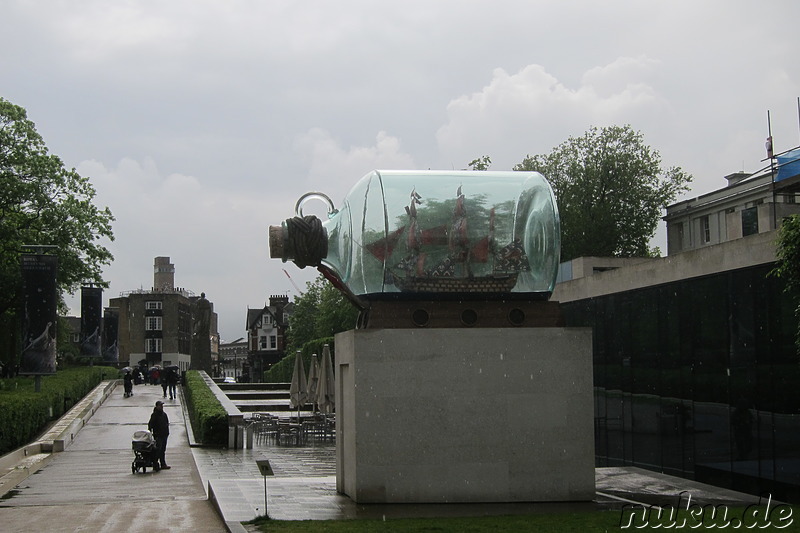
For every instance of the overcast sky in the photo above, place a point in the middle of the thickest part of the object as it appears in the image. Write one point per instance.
(200, 123)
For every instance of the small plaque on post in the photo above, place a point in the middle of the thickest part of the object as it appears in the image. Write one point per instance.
(264, 467)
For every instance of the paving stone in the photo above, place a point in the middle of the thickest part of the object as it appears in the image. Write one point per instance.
(90, 487)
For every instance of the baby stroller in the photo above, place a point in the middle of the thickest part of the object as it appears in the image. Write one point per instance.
(144, 450)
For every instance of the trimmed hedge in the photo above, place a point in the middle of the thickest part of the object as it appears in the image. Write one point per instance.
(24, 413)
(282, 371)
(209, 418)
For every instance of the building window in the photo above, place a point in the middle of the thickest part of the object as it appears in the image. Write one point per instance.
(263, 342)
(152, 345)
(749, 221)
(153, 323)
(285, 318)
(679, 237)
(273, 342)
(705, 229)
(153, 305)
(267, 319)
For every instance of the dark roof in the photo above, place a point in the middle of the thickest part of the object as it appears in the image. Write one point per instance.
(254, 314)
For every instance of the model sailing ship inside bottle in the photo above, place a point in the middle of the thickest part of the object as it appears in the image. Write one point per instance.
(468, 234)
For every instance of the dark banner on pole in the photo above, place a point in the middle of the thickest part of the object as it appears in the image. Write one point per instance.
(39, 313)
(110, 334)
(91, 321)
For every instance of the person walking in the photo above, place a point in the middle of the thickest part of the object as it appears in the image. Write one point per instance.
(172, 382)
(128, 379)
(159, 426)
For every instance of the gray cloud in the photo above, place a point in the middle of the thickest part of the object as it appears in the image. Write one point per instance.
(201, 123)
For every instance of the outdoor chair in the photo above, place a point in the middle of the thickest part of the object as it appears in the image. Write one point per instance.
(289, 433)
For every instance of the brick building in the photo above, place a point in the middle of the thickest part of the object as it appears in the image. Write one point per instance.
(266, 333)
(156, 325)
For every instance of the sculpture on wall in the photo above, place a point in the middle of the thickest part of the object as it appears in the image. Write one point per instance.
(201, 335)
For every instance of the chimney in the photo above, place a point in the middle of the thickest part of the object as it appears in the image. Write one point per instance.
(163, 274)
(278, 299)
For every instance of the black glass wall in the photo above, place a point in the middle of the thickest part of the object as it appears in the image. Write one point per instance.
(699, 378)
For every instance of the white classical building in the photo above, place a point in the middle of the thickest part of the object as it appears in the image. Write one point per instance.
(749, 204)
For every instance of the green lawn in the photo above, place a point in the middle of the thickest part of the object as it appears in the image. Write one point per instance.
(599, 521)
(577, 522)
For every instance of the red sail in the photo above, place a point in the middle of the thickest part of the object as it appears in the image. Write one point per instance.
(434, 236)
(480, 252)
(383, 248)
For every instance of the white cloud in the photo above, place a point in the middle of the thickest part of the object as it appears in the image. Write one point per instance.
(216, 238)
(532, 111)
(618, 77)
(337, 167)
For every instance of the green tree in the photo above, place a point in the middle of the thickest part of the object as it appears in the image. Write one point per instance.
(788, 263)
(610, 189)
(303, 320)
(482, 163)
(43, 203)
(321, 311)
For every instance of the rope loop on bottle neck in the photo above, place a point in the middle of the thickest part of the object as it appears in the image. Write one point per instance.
(306, 238)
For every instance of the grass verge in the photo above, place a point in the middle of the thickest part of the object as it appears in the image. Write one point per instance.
(759, 518)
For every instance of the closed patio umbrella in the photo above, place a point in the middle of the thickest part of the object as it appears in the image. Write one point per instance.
(327, 383)
(298, 391)
(313, 380)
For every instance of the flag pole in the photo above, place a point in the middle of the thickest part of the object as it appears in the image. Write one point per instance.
(771, 154)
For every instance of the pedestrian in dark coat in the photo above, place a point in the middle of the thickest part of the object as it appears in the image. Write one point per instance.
(128, 379)
(172, 382)
(159, 426)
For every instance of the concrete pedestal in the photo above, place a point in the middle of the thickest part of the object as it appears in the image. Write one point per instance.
(465, 415)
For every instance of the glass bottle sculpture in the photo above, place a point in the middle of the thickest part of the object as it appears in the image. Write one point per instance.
(468, 234)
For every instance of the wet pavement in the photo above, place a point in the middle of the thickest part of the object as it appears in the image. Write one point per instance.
(90, 487)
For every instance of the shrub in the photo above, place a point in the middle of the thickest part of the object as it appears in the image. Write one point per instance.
(282, 371)
(24, 413)
(209, 419)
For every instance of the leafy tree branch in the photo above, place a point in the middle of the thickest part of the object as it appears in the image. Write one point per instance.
(44, 203)
(611, 190)
(787, 266)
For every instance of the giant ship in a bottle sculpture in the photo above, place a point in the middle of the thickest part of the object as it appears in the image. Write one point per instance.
(453, 235)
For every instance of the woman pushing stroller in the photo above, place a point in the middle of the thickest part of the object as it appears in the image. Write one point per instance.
(159, 425)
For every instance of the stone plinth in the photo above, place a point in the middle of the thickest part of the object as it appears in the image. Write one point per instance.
(465, 415)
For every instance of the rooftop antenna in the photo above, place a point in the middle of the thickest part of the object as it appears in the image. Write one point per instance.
(771, 156)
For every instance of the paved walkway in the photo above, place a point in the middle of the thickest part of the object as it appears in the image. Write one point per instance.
(90, 487)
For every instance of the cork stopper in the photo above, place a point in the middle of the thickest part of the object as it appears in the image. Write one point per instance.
(303, 241)
(277, 242)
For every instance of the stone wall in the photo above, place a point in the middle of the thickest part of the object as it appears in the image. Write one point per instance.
(465, 415)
